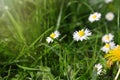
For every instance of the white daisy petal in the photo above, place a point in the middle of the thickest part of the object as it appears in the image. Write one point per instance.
(49, 40)
(57, 34)
(87, 32)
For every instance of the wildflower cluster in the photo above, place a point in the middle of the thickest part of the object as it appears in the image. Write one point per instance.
(109, 43)
(83, 34)
(113, 51)
(59, 39)
(79, 35)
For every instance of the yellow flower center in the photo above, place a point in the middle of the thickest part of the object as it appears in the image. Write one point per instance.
(52, 35)
(94, 16)
(107, 37)
(81, 33)
(107, 45)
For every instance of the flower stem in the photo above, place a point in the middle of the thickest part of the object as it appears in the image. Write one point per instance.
(116, 77)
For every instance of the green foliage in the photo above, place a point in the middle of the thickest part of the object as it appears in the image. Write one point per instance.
(25, 54)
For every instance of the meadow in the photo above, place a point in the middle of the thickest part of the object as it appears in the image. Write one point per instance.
(59, 39)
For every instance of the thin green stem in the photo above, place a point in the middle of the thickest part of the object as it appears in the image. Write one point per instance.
(116, 77)
(118, 20)
(88, 6)
(118, 24)
(71, 43)
(60, 16)
(106, 27)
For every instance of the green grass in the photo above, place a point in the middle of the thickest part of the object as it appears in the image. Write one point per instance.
(25, 54)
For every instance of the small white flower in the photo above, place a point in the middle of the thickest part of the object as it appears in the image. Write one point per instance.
(107, 38)
(108, 1)
(108, 46)
(81, 35)
(109, 16)
(94, 17)
(53, 35)
(99, 68)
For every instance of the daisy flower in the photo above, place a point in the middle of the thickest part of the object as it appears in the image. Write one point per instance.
(109, 16)
(108, 46)
(114, 54)
(98, 68)
(107, 38)
(53, 35)
(81, 35)
(94, 17)
(108, 1)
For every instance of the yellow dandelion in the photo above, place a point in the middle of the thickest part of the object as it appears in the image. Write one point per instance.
(114, 54)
